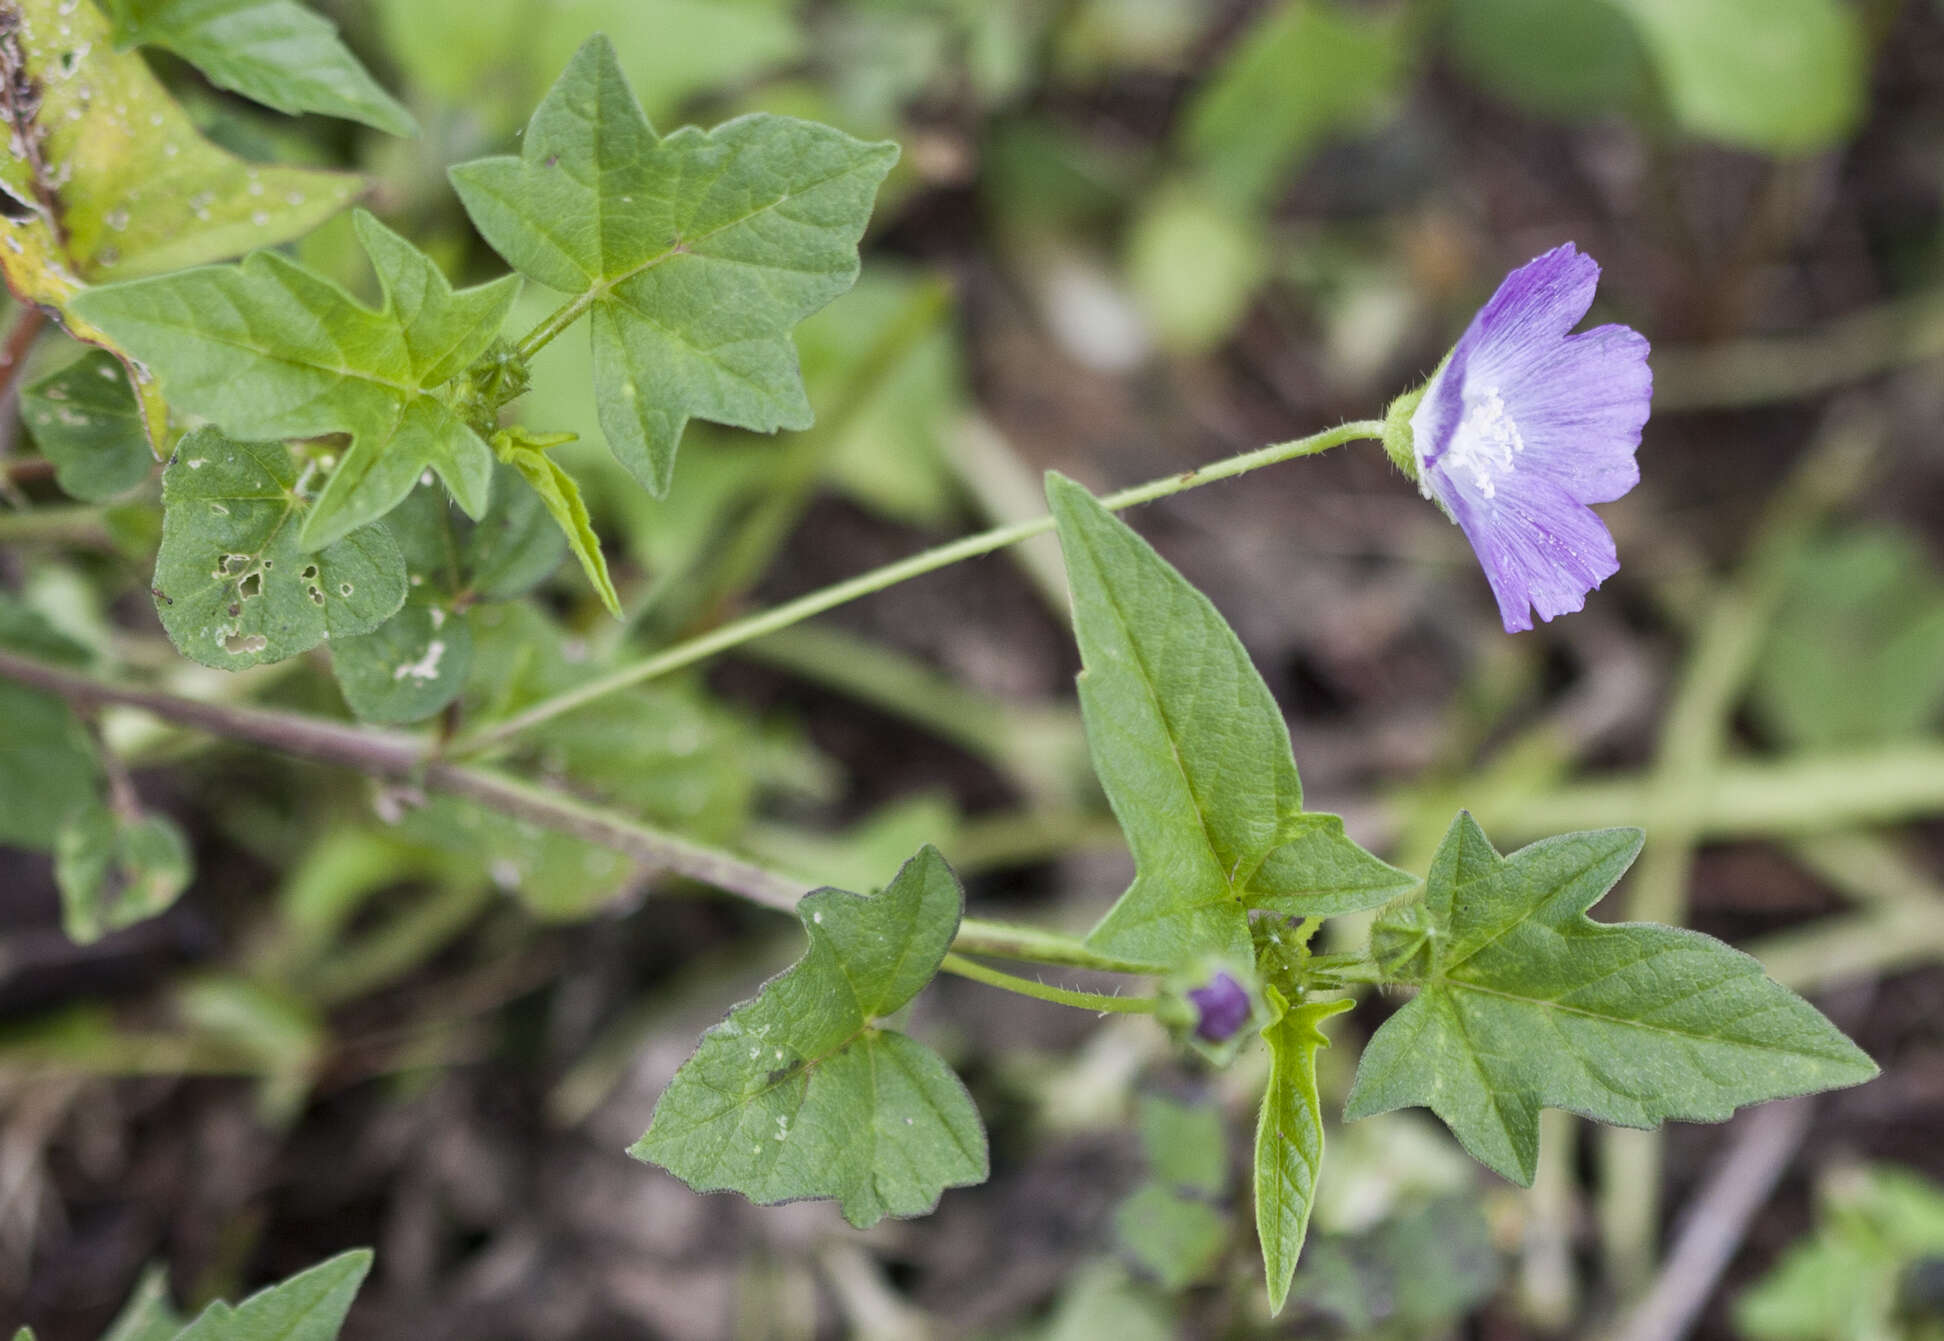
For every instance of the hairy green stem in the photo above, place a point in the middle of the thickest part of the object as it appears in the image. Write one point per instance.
(564, 316)
(1006, 940)
(692, 650)
(1039, 991)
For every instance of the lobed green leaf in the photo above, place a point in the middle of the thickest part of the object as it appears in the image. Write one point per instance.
(695, 253)
(801, 1093)
(1526, 1002)
(1194, 757)
(277, 52)
(310, 1306)
(267, 349)
(1289, 1137)
(233, 584)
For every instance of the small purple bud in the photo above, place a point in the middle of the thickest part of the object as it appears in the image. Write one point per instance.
(1224, 1008)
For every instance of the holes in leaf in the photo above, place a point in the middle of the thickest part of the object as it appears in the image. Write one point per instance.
(235, 563)
(344, 589)
(240, 644)
(250, 587)
(317, 596)
(309, 574)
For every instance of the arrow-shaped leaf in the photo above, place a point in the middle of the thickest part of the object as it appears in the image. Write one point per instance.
(1526, 1002)
(1289, 1137)
(1193, 754)
(268, 349)
(695, 252)
(802, 1093)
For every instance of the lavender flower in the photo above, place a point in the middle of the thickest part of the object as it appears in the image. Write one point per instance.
(1224, 1007)
(1523, 426)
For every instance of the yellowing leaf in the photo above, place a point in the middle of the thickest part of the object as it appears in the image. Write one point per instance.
(114, 181)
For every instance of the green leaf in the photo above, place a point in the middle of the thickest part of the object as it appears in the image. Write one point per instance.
(1174, 1238)
(1184, 1144)
(801, 1093)
(1415, 1275)
(560, 495)
(1307, 70)
(48, 769)
(493, 57)
(277, 52)
(1777, 76)
(1193, 754)
(695, 253)
(233, 584)
(1169, 1225)
(410, 667)
(149, 1315)
(114, 871)
(1560, 58)
(1527, 1002)
(515, 547)
(1842, 1281)
(307, 1307)
(1855, 655)
(119, 182)
(267, 349)
(1289, 1137)
(85, 420)
(1193, 265)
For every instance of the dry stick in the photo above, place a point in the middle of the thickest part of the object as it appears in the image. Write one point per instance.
(1714, 1228)
(388, 754)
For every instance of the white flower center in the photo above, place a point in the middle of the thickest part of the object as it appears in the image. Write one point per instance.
(1485, 443)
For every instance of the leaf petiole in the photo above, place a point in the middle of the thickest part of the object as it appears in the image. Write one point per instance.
(1039, 991)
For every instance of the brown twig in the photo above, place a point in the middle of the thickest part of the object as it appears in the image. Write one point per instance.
(1714, 1228)
(390, 754)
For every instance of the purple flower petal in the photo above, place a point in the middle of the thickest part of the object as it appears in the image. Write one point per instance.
(1225, 1007)
(1526, 424)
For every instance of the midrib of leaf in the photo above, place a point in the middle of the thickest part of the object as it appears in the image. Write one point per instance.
(1174, 753)
(1553, 1003)
(808, 1066)
(1476, 1056)
(1515, 923)
(603, 286)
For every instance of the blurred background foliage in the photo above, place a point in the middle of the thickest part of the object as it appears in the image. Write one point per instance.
(1125, 237)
